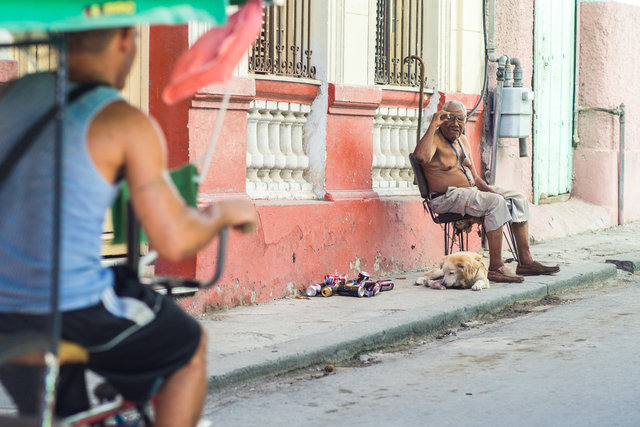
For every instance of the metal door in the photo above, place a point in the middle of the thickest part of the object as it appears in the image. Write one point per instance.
(553, 83)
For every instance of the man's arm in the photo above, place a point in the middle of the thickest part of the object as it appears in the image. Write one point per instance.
(426, 148)
(174, 229)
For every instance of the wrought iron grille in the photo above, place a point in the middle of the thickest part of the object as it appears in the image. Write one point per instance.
(38, 57)
(283, 46)
(399, 33)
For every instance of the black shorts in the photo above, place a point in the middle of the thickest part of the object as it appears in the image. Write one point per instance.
(136, 338)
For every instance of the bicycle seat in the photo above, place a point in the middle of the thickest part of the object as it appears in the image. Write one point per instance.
(29, 349)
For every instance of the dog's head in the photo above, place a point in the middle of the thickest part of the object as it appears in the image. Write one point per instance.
(460, 269)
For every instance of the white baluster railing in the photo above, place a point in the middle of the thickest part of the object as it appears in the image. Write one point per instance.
(394, 137)
(276, 157)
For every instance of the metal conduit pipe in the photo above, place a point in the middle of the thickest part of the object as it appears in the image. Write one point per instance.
(517, 72)
(503, 64)
(505, 78)
(619, 111)
(517, 82)
(491, 46)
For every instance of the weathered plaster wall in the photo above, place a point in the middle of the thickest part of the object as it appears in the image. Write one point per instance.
(609, 40)
(350, 229)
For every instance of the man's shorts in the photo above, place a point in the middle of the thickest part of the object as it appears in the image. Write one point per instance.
(136, 338)
(497, 209)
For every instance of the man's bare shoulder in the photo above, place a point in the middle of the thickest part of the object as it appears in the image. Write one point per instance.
(440, 142)
(123, 138)
(121, 112)
(125, 122)
(465, 142)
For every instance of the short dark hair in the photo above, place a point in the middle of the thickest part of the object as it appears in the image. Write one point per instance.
(90, 41)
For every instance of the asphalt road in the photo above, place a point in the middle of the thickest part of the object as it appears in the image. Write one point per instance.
(572, 364)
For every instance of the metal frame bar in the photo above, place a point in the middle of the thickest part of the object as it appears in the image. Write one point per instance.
(53, 334)
(511, 240)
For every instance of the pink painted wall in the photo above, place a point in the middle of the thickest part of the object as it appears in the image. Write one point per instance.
(608, 64)
(168, 43)
(8, 70)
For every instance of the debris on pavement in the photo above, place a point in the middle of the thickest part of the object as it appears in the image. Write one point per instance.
(337, 284)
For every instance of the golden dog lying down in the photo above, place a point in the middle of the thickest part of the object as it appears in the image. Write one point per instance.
(458, 270)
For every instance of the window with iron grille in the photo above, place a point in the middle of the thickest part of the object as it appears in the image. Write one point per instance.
(283, 46)
(399, 34)
(39, 57)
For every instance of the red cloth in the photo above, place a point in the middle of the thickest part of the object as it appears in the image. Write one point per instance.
(214, 56)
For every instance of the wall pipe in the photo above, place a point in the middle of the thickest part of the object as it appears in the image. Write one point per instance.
(517, 72)
(517, 82)
(503, 64)
(576, 82)
(491, 46)
(621, 112)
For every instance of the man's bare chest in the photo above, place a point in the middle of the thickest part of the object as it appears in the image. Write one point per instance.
(445, 159)
(450, 156)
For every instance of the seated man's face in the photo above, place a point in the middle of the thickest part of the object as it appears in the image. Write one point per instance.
(453, 127)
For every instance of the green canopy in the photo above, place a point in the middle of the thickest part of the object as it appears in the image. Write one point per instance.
(76, 15)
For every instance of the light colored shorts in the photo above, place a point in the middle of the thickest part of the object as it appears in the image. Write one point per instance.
(496, 209)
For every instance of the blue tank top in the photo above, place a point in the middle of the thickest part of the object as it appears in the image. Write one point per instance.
(26, 202)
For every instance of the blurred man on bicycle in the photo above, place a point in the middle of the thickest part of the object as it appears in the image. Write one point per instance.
(140, 341)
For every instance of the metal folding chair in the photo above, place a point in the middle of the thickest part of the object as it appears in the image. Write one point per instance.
(451, 222)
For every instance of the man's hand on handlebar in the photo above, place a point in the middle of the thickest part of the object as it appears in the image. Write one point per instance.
(238, 214)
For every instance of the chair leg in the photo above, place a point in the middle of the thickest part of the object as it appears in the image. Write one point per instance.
(461, 235)
(511, 241)
(464, 244)
(446, 238)
(453, 236)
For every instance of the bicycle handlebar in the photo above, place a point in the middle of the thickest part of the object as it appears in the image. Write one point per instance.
(178, 282)
(222, 247)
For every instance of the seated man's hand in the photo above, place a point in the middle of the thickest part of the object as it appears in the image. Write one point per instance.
(440, 117)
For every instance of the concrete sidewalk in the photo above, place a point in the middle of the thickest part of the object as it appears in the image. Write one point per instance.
(283, 335)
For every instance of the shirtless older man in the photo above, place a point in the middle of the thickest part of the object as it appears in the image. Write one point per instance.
(445, 155)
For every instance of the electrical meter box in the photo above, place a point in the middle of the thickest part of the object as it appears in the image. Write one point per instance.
(515, 119)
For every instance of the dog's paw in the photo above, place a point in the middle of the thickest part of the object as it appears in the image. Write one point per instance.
(435, 284)
(421, 281)
(479, 285)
